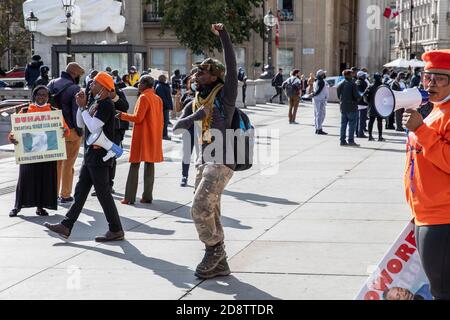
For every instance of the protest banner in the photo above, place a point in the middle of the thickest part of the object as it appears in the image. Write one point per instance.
(399, 275)
(39, 136)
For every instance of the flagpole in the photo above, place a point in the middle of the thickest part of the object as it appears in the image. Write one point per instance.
(411, 29)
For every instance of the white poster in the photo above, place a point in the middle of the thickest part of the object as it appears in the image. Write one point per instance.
(399, 275)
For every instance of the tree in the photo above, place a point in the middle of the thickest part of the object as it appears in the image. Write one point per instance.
(191, 21)
(13, 35)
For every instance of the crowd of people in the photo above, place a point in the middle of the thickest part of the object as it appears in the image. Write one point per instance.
(101, 108)
(208, 104)
(356, 94)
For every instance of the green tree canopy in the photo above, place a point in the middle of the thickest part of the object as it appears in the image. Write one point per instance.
(13, 35)
(191, 21)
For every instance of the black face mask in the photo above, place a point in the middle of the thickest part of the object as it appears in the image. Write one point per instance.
(77, 80)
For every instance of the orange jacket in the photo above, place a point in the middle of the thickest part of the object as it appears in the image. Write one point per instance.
(427, 174)
(146, 141)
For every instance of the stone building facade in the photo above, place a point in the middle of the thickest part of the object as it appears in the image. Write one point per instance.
(313, 34)
(430, 27)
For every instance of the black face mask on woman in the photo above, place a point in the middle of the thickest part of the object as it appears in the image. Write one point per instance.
(77, 80)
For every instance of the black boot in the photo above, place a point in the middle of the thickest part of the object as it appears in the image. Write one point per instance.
(209, 267)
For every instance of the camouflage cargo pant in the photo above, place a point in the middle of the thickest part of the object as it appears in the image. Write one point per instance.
(211, 180)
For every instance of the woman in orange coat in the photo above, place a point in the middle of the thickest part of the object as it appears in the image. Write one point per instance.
(427, 175)
(146, 141)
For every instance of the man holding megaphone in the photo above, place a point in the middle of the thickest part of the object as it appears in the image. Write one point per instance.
(98, 121)
(427, 176)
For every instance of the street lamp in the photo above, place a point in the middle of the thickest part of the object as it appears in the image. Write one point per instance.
(270, 21)
(32, 26)
(68, 8)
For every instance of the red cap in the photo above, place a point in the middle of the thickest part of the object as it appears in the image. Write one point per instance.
(437, 59)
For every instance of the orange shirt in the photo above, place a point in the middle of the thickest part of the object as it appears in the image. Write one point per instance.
(148, 118)
(427, 174)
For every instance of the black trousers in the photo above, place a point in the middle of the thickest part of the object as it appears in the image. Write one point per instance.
(99, 177)
(166, 122)
(398, 119)
(390, 121)
(184, 164)
(279, 93)
(379, 125)
(433, 244)
(244, 93)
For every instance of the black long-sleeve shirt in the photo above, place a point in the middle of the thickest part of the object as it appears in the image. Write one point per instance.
(223, 115)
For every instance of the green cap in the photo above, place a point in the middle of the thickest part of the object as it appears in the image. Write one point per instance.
(214, 66)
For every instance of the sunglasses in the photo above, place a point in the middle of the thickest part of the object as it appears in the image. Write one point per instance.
(440, 79)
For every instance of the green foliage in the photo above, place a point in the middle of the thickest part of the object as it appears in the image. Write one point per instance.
(12, 31)
(191, 21)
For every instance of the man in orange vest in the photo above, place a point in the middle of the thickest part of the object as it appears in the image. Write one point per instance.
(427, 176)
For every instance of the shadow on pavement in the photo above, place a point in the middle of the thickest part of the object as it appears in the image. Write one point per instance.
(258, 199)
(176, 273)
(83, 231)
(131, 253)
(184, 212)
(232, 286)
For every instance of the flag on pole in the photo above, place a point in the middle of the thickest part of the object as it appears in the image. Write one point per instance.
(390, 14)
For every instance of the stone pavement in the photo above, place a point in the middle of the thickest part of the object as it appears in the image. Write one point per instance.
(308, 225)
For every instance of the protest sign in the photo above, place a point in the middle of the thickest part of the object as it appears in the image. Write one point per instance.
(399, 275)
(39, 136)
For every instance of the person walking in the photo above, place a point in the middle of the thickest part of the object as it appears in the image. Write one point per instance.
(64, 89)
(242, 77)
(32, 71)
(277, 82)
(427, 174)
(372, 111)
(146, 141)
(212, 109)
(320, 98)
(121, 104)
(163, 91)
(95, 117)
(36, 186)
(292, 89)
(348, 95)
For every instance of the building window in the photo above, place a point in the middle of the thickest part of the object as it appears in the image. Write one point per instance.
(153, 10)
(285, 59)
(197, 58)
(286, 10)
(178, 60)
(240, 57)
(158, 56)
